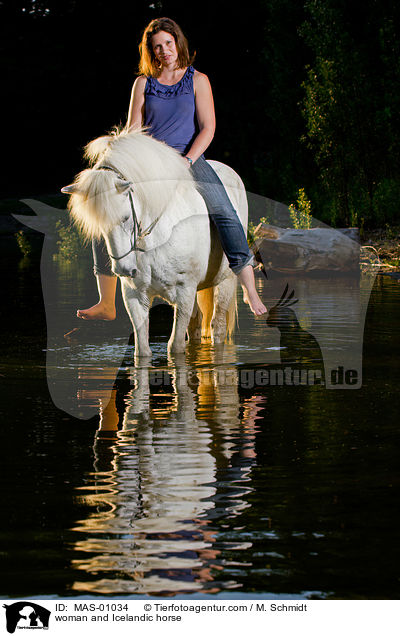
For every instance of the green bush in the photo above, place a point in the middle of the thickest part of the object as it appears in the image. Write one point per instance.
(70, 243)
(251, 229)
(251, 232)
(301, 214)
(23, 243)
(386, 202)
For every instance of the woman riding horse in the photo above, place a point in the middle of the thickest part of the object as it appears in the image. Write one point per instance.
(167, 98)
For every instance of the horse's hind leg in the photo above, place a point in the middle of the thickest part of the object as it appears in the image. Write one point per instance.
(225, 312)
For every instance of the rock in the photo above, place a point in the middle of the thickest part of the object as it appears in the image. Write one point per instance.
(318, 249)
(266, 231)
(352, 232)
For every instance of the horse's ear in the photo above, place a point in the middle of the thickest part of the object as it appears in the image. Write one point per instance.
(122, 186)
(70, 189)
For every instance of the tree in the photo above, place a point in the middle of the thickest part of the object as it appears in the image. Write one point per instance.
(347, 105)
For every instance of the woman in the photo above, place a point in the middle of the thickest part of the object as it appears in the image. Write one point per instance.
(170, 97)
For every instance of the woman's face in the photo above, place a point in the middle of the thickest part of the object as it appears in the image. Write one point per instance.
(164, 48)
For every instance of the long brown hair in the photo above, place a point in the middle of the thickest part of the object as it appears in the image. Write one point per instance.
(148, 64)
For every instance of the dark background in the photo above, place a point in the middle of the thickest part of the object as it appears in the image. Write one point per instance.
(307, 93)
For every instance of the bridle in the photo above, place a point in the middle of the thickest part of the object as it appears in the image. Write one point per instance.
(136, 234)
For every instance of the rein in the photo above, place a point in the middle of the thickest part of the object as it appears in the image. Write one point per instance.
(136, 232)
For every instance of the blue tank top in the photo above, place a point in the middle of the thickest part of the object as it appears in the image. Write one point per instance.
(170, 111)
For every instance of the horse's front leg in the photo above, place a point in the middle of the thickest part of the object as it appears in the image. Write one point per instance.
(138, 306)
(183, 308)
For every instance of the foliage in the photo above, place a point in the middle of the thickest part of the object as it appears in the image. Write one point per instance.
(251, 229)
(251, 236)
(382, 247)
(386, 202)
(349, 94)
(326, 72)
(23, 243)
(70, 242)
(301, 214)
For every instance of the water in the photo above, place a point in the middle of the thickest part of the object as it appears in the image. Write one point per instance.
(194, 477)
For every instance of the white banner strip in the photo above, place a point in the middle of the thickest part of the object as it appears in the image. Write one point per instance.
(178, 617)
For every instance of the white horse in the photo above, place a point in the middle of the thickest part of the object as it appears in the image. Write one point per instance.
(140, 195)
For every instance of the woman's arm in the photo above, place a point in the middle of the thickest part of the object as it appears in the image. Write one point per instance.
(205, 116)
(136, 106)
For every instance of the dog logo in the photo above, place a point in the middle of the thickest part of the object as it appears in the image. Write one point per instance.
(26, 615)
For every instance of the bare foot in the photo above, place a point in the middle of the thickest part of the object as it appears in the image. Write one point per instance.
(250, 296)
(255, 303)
(100, 311)
(71, 334)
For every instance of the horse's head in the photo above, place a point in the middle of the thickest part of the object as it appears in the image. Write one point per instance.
(130, 173)
(102, 204)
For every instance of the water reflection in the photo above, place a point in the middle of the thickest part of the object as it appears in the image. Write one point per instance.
(303, 499)
(177, 456)
(176, 446)
(330, 312)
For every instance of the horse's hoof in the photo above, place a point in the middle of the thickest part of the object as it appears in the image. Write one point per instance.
(195, 336)
(219, 340)
(143, 354)
(176, 350)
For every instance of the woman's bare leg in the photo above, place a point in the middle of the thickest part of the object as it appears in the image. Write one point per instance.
(250, 295)
(105, 308)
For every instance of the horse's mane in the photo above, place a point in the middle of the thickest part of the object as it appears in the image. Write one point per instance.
(155, 169)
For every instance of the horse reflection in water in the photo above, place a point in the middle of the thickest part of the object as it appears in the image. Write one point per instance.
(181, 460)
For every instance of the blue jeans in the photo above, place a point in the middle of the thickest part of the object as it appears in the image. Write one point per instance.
(222, 214)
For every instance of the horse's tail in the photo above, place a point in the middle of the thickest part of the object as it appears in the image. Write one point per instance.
(219, 310)
(205, 299)
(231, 316)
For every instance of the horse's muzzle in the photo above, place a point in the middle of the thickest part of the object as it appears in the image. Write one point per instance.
(124, 272)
